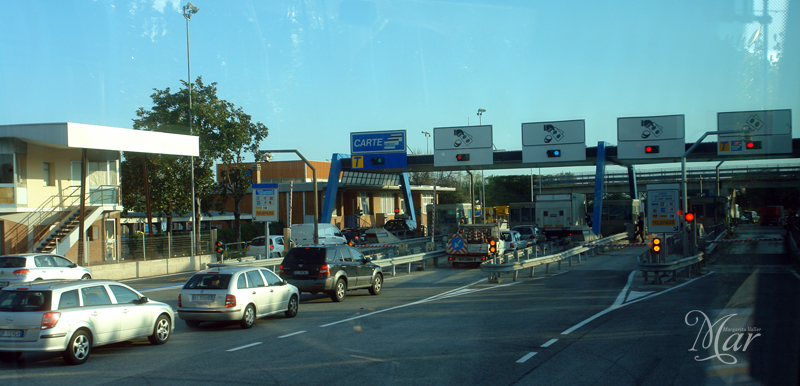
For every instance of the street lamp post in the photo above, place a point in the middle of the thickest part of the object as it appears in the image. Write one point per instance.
(427, 135)
(188, 10)
(480, 116)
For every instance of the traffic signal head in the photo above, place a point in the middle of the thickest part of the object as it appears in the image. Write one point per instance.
(396, 210)
(492, 246)
(220, 247)
(689, 217)
(656, 245)
(378, 160)
(651, 149)
(752, 145)
(462, 157)
(554, 153)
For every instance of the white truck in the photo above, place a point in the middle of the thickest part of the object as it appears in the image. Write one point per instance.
(474, 244)
(562, 215)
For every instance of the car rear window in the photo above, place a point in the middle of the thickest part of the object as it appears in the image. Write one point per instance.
(25, 301)
(13, 262)
(507, 237)
(305, 256)
(208, 281)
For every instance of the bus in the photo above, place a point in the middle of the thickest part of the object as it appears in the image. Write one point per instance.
(446, 218)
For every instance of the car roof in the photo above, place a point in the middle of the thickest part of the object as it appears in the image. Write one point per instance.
(45, 285)
(28, 255)
(228, 269)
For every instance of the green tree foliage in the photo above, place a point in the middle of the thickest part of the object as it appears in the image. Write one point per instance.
(225, 133)
(503, 190)
(457, 180)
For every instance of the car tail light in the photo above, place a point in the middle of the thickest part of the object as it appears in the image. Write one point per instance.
(280, 271)
(23, 271)
(512, 245)
(179, 301)
(230, 301)
(324, 270)
(483, 258)
(450, 258)
(50, 319)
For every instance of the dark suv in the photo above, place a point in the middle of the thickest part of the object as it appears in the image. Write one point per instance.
(333, 269)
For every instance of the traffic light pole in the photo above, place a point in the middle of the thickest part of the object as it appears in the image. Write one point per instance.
(684, 231)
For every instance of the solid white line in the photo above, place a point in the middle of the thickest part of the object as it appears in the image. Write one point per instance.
(526, 357)
(624, 293)
(166, 287)
(292, 334)
(549, 342)
(615, 306)
(245, 346)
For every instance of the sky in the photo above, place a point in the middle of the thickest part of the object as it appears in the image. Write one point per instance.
(315, 71)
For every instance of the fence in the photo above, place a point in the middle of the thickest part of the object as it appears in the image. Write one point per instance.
(143, 247)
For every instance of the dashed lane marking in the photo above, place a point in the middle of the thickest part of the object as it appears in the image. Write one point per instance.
(526, 357)
(292, 334)
(243, 347)
(549, 342)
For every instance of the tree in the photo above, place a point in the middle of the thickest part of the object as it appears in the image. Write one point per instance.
(220, 127)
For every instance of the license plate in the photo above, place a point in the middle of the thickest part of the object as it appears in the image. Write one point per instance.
(202, 298)
(11, 333)
(301, 272)
(3, 284)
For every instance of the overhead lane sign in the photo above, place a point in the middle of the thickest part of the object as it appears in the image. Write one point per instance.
(761, 132)
(378, 150)
(554, 141)
(463, 146)
(657, 137)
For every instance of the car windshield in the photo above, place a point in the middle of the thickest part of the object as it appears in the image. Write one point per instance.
(208, 281)
(13, 262)
(25, 301)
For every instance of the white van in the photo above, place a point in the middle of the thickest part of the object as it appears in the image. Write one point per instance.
(329, 234)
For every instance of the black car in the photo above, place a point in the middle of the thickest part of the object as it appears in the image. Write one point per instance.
(402, 228)
(333, 269)
(354, 235)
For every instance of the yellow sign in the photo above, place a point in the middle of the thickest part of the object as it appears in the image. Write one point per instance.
(265, 213)
(663, 222)
(358, 161)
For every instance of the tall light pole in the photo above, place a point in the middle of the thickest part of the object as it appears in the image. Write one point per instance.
(188, 10)
(427, 135)
(480, 116)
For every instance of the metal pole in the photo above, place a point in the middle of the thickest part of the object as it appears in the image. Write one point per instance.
(195, 227)
(316, 193)
(718, 184)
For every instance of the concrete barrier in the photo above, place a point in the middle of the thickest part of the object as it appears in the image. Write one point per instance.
(149, 268)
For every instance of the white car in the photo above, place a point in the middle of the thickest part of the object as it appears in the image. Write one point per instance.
(74, 317)
(513, 241)
(28, 267)
(230, 293)
(276, 247)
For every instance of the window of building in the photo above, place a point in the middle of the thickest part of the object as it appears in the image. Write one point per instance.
(427, 199)
(387, 203)
(363, 202)
(47, 174)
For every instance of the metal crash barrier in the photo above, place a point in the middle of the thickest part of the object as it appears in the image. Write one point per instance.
(495, 270)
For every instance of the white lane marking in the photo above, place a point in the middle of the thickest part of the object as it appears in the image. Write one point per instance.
(166, 287)
(621, 296)
(615, 306)
(448, 294)
(292, 334)
(245, 346)
(637, 294)
(526, 357)
(549, 342)
(795, 273)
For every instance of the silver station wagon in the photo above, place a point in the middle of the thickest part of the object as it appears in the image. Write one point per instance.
(242, 294)
(25, 267)
(75, 316)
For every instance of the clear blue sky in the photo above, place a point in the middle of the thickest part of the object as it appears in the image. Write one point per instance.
(314, 71)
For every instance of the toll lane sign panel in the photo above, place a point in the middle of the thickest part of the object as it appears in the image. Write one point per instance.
(759, 133)
(554, 141)
(663, 202)
(657, 137)
(463, 146)
(378, 150)
(265, 202)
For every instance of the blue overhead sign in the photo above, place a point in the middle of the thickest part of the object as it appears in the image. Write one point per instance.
(378, 142)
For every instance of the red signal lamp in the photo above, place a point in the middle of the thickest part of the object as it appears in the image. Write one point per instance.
(689, 217)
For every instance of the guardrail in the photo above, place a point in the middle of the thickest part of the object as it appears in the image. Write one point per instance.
(495, 270)
(692, 262)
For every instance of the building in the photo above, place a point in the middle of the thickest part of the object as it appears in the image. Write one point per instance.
(60, 184)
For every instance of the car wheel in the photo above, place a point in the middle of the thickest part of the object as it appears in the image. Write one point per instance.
(248, 318)
(86, 277)
(193, 323)
(339, 291)
(161, 331)
(79, 348)
(377, 284)
(9, 356)
(291, 311)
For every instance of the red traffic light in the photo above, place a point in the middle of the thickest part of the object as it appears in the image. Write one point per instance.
(689, 217)
(462, 157)
(651, 149)
(396, 210)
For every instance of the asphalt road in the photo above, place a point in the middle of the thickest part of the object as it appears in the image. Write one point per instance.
(596, 323)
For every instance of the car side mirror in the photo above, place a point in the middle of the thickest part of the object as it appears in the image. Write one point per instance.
(366, 260)
(142, 300)
(73, 265)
